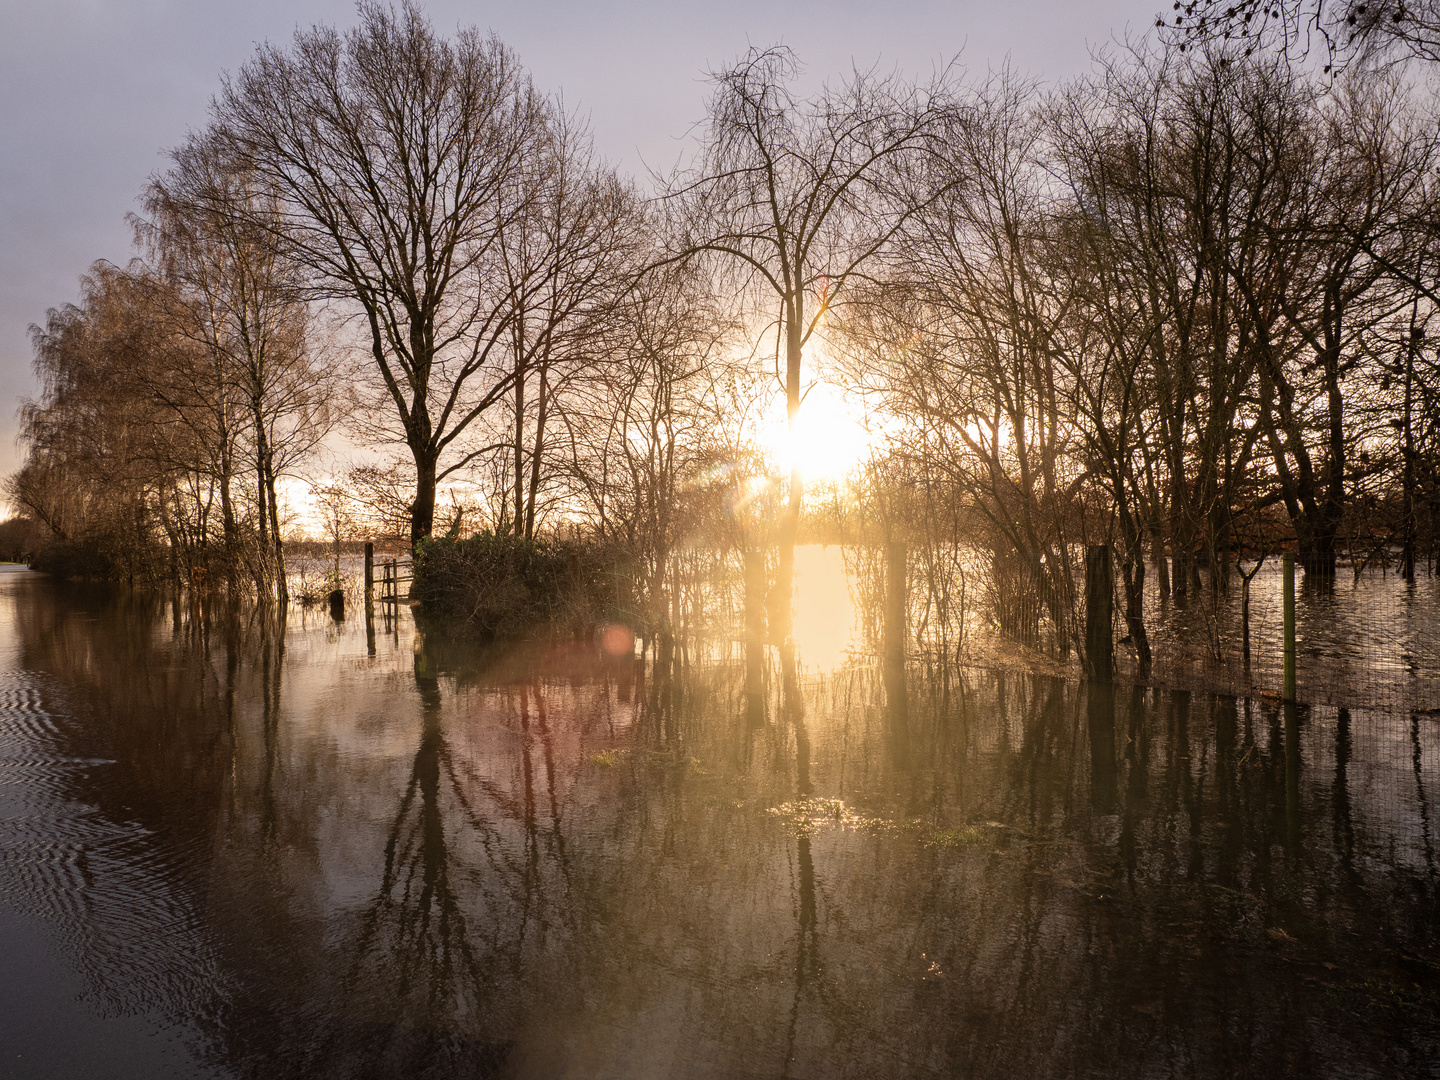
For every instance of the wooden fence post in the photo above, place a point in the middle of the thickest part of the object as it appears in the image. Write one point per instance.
(370, 597)
(1288, 563)
(1099, 613)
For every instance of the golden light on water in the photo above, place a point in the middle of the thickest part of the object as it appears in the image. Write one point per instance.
(826, 628)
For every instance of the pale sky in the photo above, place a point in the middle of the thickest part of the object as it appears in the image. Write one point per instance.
(93, 91)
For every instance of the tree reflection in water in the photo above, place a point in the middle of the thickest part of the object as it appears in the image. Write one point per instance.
(447, 861)
(414, 933)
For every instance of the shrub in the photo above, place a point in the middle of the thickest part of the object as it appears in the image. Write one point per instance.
(67, 559)
(19, 539)
(101, 558)
(501, 585)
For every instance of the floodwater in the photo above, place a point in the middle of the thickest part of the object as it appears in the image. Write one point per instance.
(229, 849)
(1372, 638)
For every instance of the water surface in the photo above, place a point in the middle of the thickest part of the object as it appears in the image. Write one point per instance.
(234, 849)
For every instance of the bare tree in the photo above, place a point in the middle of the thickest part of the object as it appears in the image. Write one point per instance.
(661, 396)
(241, 305)
(567, 264)
(335, 507)
(966, 336)
(796, 197)
(1346, 30)
(401, 158)
(1342, 201)
(383, 496)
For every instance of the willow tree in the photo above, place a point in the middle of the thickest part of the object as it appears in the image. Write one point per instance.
(400, 158)
(125, 447)
(77, 480)
(239, 301)
(795, 197)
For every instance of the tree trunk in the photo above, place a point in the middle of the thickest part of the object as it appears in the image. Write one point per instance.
(781, 614)
(1133, 571)
(519, 444)
(422, 510)
(1407, 527)
(227, 511)
(264, 495)
(535, 456)
(261, 504)
(1317, 549)
(1162, 565)
(282, 584)
(1099, 600)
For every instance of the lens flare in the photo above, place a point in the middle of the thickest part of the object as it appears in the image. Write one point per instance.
(618, 640)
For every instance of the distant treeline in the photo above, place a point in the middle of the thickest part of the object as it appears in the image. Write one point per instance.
(1179, 305)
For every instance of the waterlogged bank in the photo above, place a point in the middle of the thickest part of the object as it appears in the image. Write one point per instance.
(266, 853)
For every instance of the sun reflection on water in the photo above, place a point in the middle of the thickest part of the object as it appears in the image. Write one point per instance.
(826, 626)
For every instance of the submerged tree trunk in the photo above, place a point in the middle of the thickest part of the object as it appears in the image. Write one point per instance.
(1133, 571)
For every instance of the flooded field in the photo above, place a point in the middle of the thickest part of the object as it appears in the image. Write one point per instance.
(233, 849)
(1368, 640)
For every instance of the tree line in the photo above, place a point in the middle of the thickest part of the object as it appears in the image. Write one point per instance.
(1178, 305)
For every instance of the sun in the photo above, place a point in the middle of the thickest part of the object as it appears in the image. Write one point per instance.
(831, 438)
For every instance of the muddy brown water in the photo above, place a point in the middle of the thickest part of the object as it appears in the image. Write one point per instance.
(229, 849)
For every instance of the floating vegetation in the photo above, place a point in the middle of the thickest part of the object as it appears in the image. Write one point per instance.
(810, 815)
(961, 837)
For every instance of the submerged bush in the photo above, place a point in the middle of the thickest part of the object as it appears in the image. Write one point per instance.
(74, 559)
(506, 584)
(312, 581)
(102, 557)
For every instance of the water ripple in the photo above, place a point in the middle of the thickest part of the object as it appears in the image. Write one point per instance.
(109, 890)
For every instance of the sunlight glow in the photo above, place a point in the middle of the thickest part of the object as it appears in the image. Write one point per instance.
(826, 625)
(831, 437)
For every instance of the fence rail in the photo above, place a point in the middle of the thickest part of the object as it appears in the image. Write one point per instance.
(394, 573)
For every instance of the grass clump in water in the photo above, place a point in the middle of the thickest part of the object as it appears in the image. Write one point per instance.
(949, 839)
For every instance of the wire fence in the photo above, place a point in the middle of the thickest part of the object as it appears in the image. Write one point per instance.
(1368, 640)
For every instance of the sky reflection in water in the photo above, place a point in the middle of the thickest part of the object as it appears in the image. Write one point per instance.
(252, 860)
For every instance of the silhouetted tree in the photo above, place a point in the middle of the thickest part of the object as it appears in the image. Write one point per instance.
(400, 158)
(797, 196)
